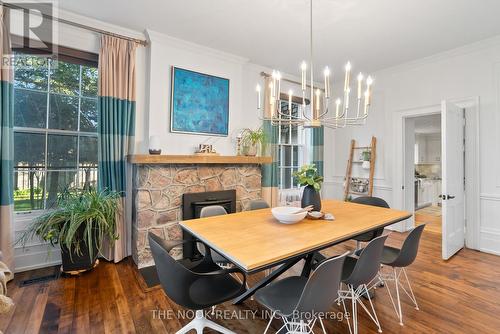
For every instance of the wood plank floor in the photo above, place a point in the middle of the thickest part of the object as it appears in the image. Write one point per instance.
(457, 296)
(431, 216)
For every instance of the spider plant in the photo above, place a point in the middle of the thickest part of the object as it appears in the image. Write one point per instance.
(79, 223)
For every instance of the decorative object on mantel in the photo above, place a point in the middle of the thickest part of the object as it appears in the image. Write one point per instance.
(199, 103)
(154, 145)
(360, 185)
(252, 140)
(320, 99)
(206, 149)
(309, 177)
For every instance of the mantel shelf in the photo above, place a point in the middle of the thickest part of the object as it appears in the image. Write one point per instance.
(197, 159)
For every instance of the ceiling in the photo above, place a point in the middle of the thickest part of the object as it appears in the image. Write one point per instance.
(373, 34)
(428, 124)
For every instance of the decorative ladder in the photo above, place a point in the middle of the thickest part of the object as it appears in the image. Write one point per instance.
(348, 177)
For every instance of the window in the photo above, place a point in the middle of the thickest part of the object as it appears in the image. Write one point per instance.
(291, 148)
(55, 129)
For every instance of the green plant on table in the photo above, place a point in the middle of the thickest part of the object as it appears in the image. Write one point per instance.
(308, 175)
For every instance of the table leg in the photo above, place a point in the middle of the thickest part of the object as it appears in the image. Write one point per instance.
(265, 281)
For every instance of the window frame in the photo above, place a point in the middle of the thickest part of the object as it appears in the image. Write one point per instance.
(67, 55)
(300, 145)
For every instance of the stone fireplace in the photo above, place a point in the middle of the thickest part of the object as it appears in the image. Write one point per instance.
(158, 189)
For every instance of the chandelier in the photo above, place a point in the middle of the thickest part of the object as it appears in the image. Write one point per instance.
(320, 98)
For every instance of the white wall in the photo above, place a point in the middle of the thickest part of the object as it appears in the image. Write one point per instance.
(165, 52)
(473, 70)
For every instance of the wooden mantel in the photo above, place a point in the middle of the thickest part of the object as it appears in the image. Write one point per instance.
(197, 159)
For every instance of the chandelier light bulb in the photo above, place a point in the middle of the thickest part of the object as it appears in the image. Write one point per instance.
(348, 66)
(257, 88)
(369, 81)
(360, 76)
(303, 66)
(326, 71)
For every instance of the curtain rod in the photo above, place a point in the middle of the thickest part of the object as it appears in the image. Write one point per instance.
(77, 25)
(267, 75)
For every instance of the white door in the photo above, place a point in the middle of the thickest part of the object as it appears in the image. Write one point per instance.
(409, 168)
(453, 203)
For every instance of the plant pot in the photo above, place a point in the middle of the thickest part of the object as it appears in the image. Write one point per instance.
(250, 150)
(72, 261)
(311, 197)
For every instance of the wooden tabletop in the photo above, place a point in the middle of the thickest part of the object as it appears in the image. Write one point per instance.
(255, 239)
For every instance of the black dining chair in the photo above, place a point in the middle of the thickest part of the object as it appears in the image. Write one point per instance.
(301, 301)
(194, 286)
(257, 204)
(368, 236)
(357, 274)
(399, 259)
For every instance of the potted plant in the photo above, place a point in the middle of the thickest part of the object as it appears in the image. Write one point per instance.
(366, 156)
(309, 177)
(80, 223)
(251, 140)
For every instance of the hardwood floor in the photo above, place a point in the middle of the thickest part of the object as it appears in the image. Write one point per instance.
(431, 216)
(457, 296)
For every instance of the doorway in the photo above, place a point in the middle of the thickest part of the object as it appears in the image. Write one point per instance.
(428, 174)
(424, 171)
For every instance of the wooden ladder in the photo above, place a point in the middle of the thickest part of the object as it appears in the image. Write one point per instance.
(348, 175)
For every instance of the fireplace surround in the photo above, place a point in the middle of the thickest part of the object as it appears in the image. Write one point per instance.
(159, 186)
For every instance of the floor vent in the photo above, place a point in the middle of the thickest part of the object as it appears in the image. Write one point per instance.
(42, 279)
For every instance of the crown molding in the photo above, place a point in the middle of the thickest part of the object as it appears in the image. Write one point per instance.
(155, 37)
(456, 52)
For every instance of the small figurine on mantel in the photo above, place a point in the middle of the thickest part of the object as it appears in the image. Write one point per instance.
(206, 149)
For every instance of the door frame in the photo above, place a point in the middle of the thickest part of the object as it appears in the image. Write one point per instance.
(472, 172)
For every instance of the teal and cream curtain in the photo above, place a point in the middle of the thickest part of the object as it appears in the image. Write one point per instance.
(316, 148)
(270, 171)
(6, 145)
(116, 126)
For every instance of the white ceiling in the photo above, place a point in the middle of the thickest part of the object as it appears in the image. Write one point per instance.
(373, 34)
(428, 124)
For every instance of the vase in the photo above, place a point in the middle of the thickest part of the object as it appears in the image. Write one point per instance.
(311, 197)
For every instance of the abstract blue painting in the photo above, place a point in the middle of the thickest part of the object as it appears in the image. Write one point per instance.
(200, 103)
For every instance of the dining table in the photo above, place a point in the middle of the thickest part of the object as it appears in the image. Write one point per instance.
(255, 241)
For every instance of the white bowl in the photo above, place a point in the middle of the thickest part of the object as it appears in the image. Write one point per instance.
(286, 215)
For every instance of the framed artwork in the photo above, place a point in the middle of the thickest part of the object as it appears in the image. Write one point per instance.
(199, 103)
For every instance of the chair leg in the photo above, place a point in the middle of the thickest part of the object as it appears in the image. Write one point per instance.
(396, 282)
(413, 299)
(322, 326)
(200, 322)
(354, 311)
(269, 323)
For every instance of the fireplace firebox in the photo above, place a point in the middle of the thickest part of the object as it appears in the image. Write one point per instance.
(192, 203)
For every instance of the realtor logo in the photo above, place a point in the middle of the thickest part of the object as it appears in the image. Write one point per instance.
(31, 26)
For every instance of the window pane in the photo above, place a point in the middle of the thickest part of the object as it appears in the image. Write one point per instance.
(287, 178)
(31, 72)
(29, 150)
(88, 151)
(30, 108)
(88, 116)
(63, 113)
(287, 155)
(57, 182)
(65, 78)
(61, 152)
(28, 189)
(295, 160)
(89, 81)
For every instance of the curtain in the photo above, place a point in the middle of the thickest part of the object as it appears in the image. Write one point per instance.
(270, 171)
(116, 128)
(317, 141)
(6, 145)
